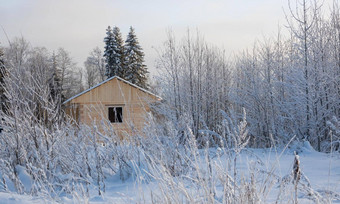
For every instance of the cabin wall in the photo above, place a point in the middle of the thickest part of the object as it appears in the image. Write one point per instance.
(93, 106)
(73, 110)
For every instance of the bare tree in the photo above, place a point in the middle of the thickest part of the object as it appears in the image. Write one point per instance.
(305, 20)
(95, 67)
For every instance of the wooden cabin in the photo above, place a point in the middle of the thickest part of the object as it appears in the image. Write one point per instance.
(114, 101)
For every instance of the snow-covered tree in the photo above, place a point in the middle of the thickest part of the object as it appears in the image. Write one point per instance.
(305, 20)
(109, 53)
(135, 69)
(16, 54)
(119, 52)
(113, 52)
(288, 85)
(91, 73)
(54, 83)
(195, 82)
(94, 67)
(2, 75)
(70, 76)
(2, 63)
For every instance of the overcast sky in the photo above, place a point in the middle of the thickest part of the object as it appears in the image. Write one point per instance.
(79, 25)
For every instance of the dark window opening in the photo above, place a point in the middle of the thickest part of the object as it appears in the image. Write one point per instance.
(116, 114)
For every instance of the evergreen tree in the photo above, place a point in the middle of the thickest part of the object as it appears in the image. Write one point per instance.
(109, 53)
(135, 69)
(119, 52)
(114, 53)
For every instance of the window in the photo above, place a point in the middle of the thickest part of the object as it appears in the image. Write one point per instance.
(116, 114)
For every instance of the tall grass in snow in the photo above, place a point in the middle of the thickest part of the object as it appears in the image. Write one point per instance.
(211, 175)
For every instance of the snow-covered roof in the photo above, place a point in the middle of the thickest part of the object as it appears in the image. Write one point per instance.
(109, 79)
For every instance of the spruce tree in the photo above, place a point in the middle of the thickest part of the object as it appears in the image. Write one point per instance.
(135, 69)
(109, 53)
(114, 53)
(118, 48)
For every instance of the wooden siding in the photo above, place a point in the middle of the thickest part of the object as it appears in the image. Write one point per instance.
(93, 105)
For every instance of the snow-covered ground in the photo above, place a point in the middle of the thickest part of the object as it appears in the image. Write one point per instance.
(320, 170)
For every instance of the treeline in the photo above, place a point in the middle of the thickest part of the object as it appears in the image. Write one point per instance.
(56, 70)
(125, 60)
(288, 85)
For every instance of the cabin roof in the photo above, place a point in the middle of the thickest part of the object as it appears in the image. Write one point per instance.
(109, 79)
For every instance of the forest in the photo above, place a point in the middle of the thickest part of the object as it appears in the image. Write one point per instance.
(281, 95)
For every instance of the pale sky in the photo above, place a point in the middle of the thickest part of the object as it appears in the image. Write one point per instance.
(79, 25)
